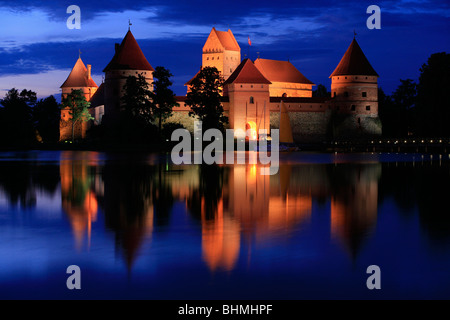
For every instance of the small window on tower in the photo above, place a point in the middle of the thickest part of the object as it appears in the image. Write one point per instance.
(334, 94)
(364, 94)
(207, 58)
(368, 108)
(231, 70)
(212, 58)
(252, 101)
(346, 94)
(353, 107)
(218, 58)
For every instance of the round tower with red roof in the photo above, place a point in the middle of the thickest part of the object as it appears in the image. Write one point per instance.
(78, 79)
(354, 89)
(128, 60)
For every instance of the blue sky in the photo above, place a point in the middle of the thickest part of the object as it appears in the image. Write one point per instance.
(37, 50)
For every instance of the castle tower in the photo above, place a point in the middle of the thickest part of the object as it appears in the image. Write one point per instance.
(354, 88)
(222, 51)
(248, 92)
(78, 79)
(128, 60)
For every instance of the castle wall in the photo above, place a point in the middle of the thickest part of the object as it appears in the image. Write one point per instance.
(285, 89)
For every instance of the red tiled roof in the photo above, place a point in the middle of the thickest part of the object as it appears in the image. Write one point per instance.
(227, 40)
(78, 77)
(280, 71)
(247, 72)
(354, 62)
(129, 56)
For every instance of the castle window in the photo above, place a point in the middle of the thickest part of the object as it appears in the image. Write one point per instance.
(334, 94)
(212, 58)
(337, 108)
(366, 78)
(345, 78)
(207, 58)
(364, 94)
(356, 77)
(353, 107)
(251, 86)
(284, 95)
(252, 101)
(231, 70)
(359, 120)
(346, 94)
(368, 108)
(218, 58)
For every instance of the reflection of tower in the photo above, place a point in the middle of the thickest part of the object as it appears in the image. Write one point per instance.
(263, 203)
(128, 206)
(354, 204)
(78, 199)
(220, 240)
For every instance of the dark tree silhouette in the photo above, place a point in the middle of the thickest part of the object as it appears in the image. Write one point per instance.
(204, 99)
(16, 121)
(137, 99)
(162, 96)
(321, 91)
(46, 115)
(433, 101)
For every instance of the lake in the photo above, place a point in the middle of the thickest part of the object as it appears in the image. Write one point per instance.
(140, 227)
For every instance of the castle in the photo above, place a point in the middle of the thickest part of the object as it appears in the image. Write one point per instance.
(255, 93)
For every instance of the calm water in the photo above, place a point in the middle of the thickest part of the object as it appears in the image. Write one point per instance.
(140, 227)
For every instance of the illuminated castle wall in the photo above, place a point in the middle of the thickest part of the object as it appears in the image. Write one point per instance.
(253, 91)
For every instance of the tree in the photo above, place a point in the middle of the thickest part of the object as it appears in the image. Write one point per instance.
(137, 99)
(204, 99)
(47, 115)
(16, 117)
(78, 108)
(321, 91)
(162, 96)
(433, 101)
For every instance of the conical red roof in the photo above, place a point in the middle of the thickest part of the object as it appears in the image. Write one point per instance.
(79, 77)
(247, 72)
(129, 56)
(354, 62)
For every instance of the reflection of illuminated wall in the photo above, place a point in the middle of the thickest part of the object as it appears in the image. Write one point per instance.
(78, 200)
(260, 207)
(354, 205)
(220, 241)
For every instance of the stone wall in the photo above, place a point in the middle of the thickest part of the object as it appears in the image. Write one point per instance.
(306, 126)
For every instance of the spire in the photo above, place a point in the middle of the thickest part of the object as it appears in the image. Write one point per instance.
(79, 77)
(354, 62)
(129, 24)
(129, 56)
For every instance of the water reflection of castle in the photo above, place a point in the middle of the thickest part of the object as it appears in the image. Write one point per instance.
(232, 204)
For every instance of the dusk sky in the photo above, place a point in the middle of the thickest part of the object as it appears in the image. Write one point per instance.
(37, 50)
